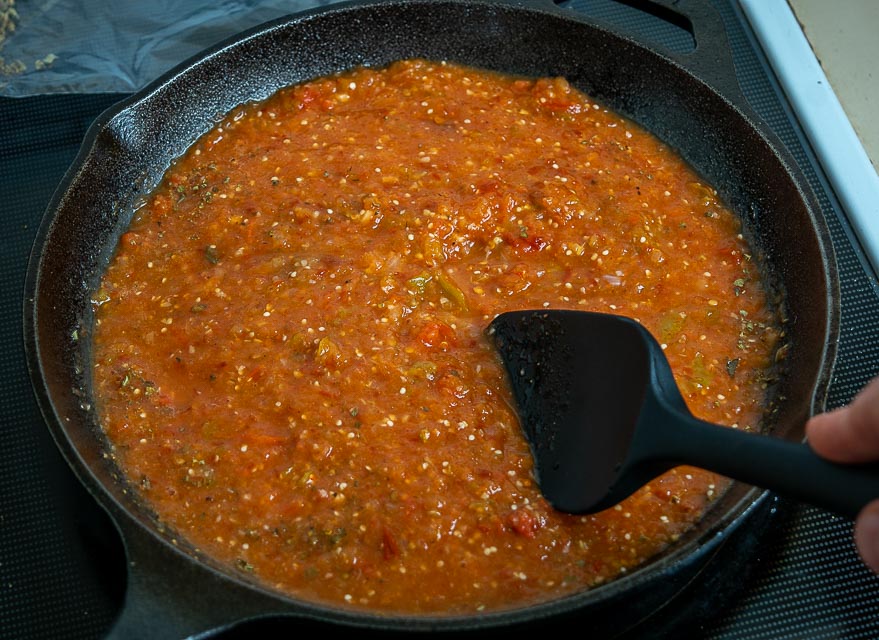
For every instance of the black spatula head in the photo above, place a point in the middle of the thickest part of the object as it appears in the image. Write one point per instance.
(604, 416)
(580, 381)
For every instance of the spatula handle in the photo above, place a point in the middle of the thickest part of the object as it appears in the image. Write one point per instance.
(787, 468)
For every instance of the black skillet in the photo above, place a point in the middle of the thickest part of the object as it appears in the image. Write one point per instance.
(690, 100)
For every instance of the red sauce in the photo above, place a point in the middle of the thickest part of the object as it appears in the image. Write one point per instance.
(290, 358)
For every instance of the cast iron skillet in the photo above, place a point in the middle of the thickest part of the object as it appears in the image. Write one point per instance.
(691, 100)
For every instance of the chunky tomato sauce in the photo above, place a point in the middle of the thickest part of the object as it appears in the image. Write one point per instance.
(289, 353)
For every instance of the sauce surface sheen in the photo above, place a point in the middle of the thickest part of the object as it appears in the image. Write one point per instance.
(289, 351)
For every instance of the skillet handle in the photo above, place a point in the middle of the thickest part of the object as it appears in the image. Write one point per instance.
(711, 60)
(170, 597)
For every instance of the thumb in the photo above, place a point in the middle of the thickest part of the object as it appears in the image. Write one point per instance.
(849, 434)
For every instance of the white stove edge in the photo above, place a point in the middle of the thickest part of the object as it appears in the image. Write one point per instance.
(837, 146)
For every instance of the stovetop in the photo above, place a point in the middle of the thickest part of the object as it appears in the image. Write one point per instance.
(62, 568)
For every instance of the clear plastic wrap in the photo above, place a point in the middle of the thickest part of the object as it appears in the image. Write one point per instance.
(105, 46)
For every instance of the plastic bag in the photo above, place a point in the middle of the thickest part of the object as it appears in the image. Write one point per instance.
(106, 46)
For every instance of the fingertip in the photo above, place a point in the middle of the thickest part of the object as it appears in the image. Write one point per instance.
(850, 433)
(816, 425)
(867, 535)
(827, 436)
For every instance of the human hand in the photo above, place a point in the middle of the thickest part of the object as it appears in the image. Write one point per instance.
(850, 435)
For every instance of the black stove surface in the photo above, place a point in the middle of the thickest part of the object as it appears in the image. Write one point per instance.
(62, 567)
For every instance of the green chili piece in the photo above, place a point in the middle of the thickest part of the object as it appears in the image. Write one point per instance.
(452, 290)
(418, 283)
